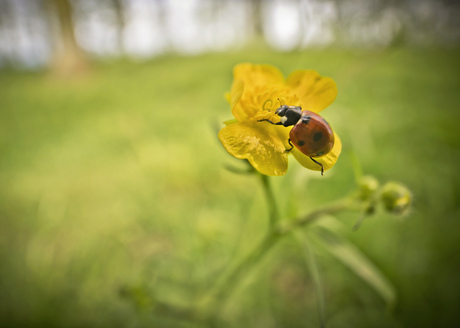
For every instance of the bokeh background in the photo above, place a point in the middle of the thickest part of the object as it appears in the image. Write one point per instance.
(114, 192)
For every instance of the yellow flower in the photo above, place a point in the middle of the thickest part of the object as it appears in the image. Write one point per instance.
(257, 91)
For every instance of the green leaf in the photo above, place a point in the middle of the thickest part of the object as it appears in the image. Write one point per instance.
(315, 273)
(352, 257)
(233, 120)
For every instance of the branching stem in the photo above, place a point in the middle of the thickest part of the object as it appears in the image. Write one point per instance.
(275, 232)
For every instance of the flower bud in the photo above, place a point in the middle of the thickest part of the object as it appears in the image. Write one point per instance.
(367, 187)
(396, 198)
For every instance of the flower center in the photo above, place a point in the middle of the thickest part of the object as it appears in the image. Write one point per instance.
(267, 108)
(261, 102)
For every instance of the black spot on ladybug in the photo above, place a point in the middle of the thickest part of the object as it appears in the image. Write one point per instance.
(305, 119)
(300, 143)
(317, 136)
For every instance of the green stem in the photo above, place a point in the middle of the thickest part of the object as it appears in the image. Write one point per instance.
(316, 277)
(230, 284)
(315, 215)
(271, 201)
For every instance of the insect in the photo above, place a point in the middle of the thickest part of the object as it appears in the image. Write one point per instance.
(311, 134)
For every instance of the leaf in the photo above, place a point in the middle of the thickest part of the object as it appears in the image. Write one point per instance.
(315, 273)
(352, 257)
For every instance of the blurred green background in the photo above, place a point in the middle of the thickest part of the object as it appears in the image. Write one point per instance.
(115, 196)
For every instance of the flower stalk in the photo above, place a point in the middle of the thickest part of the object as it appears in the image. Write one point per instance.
(274, 215)
(276, 231)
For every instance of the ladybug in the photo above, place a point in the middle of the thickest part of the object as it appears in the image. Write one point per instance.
(311, 134)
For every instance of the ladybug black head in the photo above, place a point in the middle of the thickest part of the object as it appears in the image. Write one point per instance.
(290, 115)
(281, 111)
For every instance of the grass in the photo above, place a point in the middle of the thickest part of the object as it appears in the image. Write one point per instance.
(114, 194)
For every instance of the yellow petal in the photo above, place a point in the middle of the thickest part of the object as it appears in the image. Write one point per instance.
(253, 75)
(235, 95)
(258, 143)
(236, 92)
(314, 91)
(327, 160)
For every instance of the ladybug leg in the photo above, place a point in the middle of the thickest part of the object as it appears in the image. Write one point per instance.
(322, 168)
(292, 146)
(279, 123)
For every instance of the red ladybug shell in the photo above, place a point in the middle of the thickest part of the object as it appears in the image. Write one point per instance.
(312, 135)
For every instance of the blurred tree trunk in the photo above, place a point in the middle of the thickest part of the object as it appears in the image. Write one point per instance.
(120, 21)
(163, 16)
(69, 58)
(7, 28)
(256, 18)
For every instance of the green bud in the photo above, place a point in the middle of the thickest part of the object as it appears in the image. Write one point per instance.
(367, 187)
(370, 210)
(396, 198)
